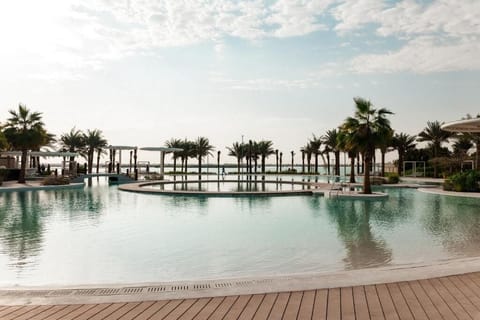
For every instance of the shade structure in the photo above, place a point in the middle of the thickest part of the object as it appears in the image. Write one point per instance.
(162, 150)
(469, 125)
(120, 149)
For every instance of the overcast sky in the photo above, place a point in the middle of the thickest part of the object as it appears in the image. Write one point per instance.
(146, 71)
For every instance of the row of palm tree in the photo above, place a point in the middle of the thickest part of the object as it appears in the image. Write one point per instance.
(24, 130)
(85, 143)
(252, 152)
(198, 149)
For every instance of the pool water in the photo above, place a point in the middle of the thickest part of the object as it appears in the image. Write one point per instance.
(101, 235)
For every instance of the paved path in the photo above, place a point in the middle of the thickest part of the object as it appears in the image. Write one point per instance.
(452, 297)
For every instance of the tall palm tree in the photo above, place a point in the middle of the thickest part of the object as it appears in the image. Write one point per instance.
(94, 140)
(202, 148)
(72, 141)
(434, 134)
(188, 152)
(308, 151)
(365, 130)
(237, 150)
(174, 143)
(385, 144)
(24, 131)
(315, 144)
(462, 146)
(329, 141)
(403, 142)
(265, 149)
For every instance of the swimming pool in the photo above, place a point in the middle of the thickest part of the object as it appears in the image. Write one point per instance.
(101, 235)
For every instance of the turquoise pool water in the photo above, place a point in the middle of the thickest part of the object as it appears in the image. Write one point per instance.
(102, 235)
(230, 186)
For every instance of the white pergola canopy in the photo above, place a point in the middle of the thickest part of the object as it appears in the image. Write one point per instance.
(469, 125)
(162, 150)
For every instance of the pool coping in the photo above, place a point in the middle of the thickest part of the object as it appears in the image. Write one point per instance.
(439, 191)
(149, 291)
(26, 187)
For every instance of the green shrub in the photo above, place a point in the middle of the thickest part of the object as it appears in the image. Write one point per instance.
(467, 181)
(393, 178)
(55, 181)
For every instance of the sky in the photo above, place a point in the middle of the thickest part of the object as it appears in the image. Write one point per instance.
(145, 71)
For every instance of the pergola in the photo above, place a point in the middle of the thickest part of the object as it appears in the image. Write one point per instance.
(469, 125)
(120, 149)
(163, 151)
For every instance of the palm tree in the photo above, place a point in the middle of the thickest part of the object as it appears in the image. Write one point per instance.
(308, 150)
(72, 141)
(462, 146)
(174, 143)
(94, 140)
(24, 131)
(403, 143)
(188, 152)
(329, 140)
(202, 148)
(365, 130)
(237, 150)
(315, 144)
(100, 151)
(434, 134)
(265, 149)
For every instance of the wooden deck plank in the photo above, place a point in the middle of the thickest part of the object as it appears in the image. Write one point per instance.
(166, 309)
(424, 300)
(346, 303)
(105, 313)
(450, 300)
(123, 310)
(18, 312)
(138, 309)
(211, 306)
(150, 311)
(237, 307)
(389, 311)
(223, 308)
(291, 311)
(176, 313)
(412, 301)
(33, 312)
(266, 306)
(320, 306)
(470, 289)
(306, 307)
(360, 303)
(85, 311)
(47, 313)
(437, 300)
(334, 305)
(279, 306)
(9, 310)
(71, 309)
(460, 297)
(195, 309)
(252, 307)
(373, 303)
(401, 305)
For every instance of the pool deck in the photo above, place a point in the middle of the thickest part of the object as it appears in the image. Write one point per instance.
(451, 297)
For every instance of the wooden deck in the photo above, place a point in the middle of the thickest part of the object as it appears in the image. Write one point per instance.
(453, 297)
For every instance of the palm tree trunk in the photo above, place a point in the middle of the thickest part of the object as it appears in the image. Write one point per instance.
(174, 163)
(316, 163)
(256, 162)
(263, 164)
(383, 163)
(367, 188)
(303, 162)
(238, 165)
(328, 163)
(23, 166)
(337, 163)
(98, 159)
(352, 168)
(199, 168)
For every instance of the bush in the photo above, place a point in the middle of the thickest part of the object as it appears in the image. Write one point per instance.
(393, 178)
(55, 181)
(467, 181)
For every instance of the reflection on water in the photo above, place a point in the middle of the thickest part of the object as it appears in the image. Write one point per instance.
(363, 248)
(102, 235)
